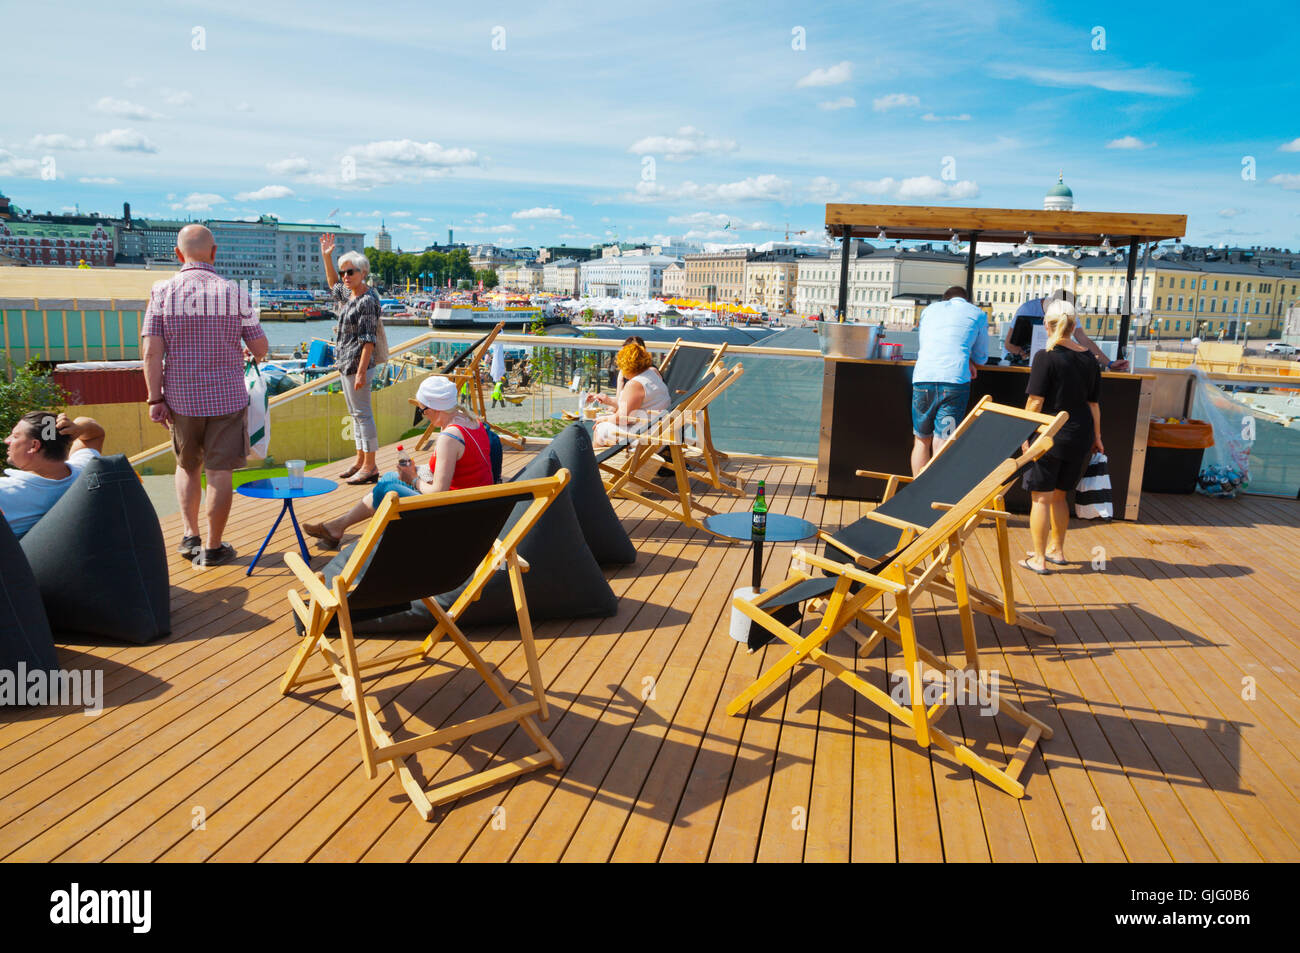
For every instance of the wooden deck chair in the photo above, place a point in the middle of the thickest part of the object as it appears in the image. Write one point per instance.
(990, 433)
(394, 564)
(467, 369)
(674, 431)
(930, 560)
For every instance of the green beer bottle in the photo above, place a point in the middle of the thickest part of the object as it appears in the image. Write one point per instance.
(759, 526)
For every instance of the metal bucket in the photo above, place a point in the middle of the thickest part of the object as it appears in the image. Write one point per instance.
(848, 339)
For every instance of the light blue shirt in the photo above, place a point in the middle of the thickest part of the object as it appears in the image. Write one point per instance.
(26, 497)
(952, 334)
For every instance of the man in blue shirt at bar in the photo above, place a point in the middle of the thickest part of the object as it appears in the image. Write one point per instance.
(954, 340)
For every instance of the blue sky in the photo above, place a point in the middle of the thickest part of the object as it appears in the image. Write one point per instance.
(549, 123)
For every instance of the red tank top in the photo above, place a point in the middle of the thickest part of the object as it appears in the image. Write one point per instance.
(474, 468)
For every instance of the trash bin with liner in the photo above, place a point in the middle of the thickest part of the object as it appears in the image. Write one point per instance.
(1174, 451)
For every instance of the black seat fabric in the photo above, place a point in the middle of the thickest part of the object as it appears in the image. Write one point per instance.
(601, 528)
(563, 581)
(99, 558)
(24, 629)
(682, 376)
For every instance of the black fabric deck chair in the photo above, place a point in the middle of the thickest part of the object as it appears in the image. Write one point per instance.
(412, 549)
(928, 560)
(990, 434)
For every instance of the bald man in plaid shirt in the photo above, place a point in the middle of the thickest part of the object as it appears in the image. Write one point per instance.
(194, 335)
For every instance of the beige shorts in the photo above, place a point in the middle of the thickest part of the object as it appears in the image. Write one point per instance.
(216, 443)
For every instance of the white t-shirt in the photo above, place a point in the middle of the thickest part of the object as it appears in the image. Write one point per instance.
(26, 497)
(656, 391)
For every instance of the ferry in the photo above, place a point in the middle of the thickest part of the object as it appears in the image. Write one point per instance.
(448, 315)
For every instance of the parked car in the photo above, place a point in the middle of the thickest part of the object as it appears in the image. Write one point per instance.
(1278, 347)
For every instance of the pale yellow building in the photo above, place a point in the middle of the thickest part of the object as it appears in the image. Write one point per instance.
(770, 281)
(716, 276)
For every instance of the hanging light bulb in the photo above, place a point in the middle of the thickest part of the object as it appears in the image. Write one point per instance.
(1105, 244)
(1158, 252)
(954, 245)
(1029, 239)
(1178, 246)
(1077, 253)
(881, 237)
(898, 245)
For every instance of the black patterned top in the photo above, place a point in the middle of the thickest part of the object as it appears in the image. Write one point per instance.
(358, 323)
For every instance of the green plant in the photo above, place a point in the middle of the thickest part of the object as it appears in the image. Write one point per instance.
(24, 389)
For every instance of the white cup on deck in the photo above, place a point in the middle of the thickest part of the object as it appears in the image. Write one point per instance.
(296, 470)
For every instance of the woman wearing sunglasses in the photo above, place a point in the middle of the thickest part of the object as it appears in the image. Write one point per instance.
(358, 308)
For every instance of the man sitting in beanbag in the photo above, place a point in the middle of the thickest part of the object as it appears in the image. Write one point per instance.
(48, 452)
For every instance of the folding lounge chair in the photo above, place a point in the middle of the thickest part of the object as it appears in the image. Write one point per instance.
(641, 448)
(394, 564)
(926, 559)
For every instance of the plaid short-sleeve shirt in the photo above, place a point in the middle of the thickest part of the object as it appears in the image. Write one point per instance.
(204, 320)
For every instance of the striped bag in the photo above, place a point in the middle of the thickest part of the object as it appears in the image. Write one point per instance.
(1092, 495)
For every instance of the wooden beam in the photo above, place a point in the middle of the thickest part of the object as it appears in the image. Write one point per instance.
(937, 223)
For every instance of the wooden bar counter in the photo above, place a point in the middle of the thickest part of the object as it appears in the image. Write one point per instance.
(866, 424)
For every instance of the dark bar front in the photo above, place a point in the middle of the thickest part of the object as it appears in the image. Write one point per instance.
(843, 313)
(867, 425)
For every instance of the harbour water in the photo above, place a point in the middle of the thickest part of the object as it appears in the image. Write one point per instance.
(289, 335)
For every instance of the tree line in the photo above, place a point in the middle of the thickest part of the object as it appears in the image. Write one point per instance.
(428, 268)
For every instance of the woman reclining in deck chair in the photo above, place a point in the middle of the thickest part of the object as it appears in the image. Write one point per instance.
(642, 395)
(461, 458)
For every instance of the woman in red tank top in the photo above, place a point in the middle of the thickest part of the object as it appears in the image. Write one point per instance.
(461, 459)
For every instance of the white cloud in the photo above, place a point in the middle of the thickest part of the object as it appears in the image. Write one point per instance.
(767, 188)
(198, 202)
(99, 180)
(822, 189)
(294, 165)
(687, 144)
(264, 193)
(492, 229)
(1288, 181)
(56, 140)
(722, 225)
(177, 97)
(407, 152)
(400, 215)
(389, 161)
(1292, 146)
(133, 82)
(919, 187)
(125, 140)
(931, 117)
(829, 76)
(17, 167)
(844, 102)
(894, 101)
(1153, 82)
(1129, 142)
(110, 106)
(1229, 212)
(546, 214)
(243, 107)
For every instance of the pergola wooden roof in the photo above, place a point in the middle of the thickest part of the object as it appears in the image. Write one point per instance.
(1009, 225)
(1002, 225)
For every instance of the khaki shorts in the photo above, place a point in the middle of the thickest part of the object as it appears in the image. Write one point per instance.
(218, 443)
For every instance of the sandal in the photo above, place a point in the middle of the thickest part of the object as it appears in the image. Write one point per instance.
(372, 477)
(1023, 564)
(349, 471)
(1057, 561)
(319, 532)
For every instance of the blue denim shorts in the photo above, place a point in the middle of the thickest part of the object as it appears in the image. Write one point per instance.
(938, 408)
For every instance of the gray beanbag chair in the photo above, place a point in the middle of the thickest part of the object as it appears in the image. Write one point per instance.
(99, 558)
(605, 536)
(563, 580)
(24, 629)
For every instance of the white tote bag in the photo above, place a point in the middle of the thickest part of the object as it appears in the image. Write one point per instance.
(1092, 500)
(259, 410)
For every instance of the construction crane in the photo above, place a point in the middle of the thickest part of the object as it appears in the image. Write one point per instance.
(788, 232)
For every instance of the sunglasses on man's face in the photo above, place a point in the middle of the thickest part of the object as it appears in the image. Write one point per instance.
(347, 271)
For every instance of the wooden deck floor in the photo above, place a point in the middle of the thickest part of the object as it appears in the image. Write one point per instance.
(1171, 688)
